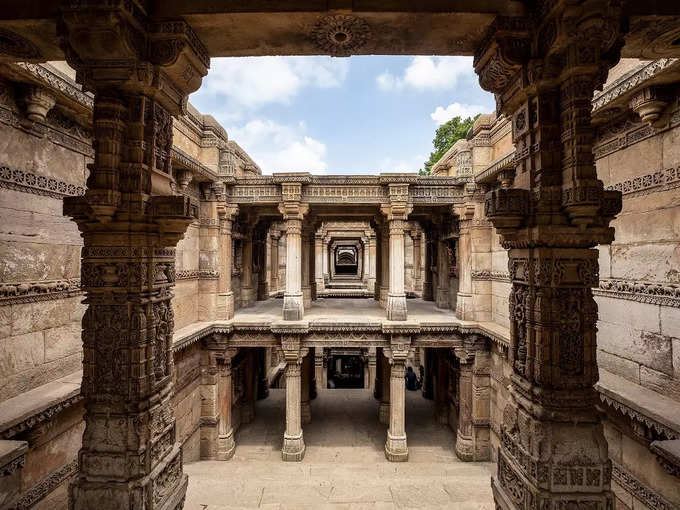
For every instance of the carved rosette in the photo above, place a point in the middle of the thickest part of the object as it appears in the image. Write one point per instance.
(340, 35)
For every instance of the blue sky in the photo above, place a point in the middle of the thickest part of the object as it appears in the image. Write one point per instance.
(328, 115)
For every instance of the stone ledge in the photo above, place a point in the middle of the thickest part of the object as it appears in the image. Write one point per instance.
(668, 455)
(641, 404)
(40, 404)
(11, 456)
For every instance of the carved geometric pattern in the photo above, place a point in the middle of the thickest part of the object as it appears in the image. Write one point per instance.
(29, 182)
(638, 489)
(47, 485)
(340, 35)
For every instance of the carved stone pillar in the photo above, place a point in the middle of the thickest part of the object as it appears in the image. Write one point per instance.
(442, 299)
(371, 263)
(396, 448)
(225, 437)
(306, 406)
(275, 235)
(417, 269)
(544, 70)
(210, 405)
(473, 434)
(319, 264)
(384, 264)
(130, 457)
(326, 257)
(384, 407)
(225, 301)
(371, 368)
(396, 214)
(247, 289)
(209, 251)
(428, 294)
(293, 212)
(293, 441)
(307, 237)
(318, 367)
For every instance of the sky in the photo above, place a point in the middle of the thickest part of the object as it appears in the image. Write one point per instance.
(325, 115)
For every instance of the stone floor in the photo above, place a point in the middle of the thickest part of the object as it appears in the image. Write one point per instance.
(344, 467)
(363, 309)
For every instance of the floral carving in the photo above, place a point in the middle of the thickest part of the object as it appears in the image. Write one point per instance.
(341, 35)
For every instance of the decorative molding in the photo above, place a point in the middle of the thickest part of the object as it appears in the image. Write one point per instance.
(13, 465)
(629, 81)
(47, 485)
(638, 416)
(184, 160)
(194, 274)
(491, 171)
(638, 489)
(663, 294)
(28, 182)
(60, 82)
(662, 180)
(500, 276)
(42, 416)
(44, 290)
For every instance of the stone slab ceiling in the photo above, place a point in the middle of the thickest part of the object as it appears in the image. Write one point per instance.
(338, 28)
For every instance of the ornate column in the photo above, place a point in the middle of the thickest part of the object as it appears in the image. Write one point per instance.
(396, 448)
(371, 262)
(141, 73)
(544, 69)
(384, 264)
(417, 269)
(384, 407)
(305, 406)
(366, 262)
(210, 405)
(293, 212)
(428, 294)
(247, 289)
(396, 213)
(371, 368)
(274, 235)
(473, 434)
(225, 437)
(326, 256)
(209, 251)
(293, 441)
(225, 296)
(442, 300)
(318, 367)
(318, 263)
(307, 237)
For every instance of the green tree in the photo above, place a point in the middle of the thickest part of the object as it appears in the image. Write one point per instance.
(447, 134)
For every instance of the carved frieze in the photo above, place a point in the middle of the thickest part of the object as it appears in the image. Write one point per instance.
(47, 485)
(29, 292)
(638, 489)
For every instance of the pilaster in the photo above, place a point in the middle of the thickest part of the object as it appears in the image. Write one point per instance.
(225, 302)
(396, 214)
(225, 438)
(209, 251)
(293, 212)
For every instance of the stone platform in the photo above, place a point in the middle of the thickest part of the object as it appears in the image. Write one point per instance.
(344, 466)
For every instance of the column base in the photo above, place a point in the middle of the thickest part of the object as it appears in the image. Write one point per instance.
(293, 448)
(427, 292)
(226, 446)
(306, 412)
(293, 307)
(396, 449)
(464, 308)
(442, 299)
(384, 413)
(85, 495)
(396, 307)
(465, 448)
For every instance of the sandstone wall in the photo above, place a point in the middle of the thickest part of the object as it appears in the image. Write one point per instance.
(40, 308)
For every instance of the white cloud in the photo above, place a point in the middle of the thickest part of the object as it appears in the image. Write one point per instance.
(442, 115)
(281, 148)
(251, 82)
(408, 165)
(428, 73)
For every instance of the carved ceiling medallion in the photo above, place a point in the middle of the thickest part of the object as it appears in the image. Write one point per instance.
(340, 35)
(14, 45)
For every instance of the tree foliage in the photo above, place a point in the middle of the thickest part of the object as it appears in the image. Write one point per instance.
(446, 135)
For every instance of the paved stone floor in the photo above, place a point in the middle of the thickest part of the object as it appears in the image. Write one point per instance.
(363, 309)
(344, 467)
